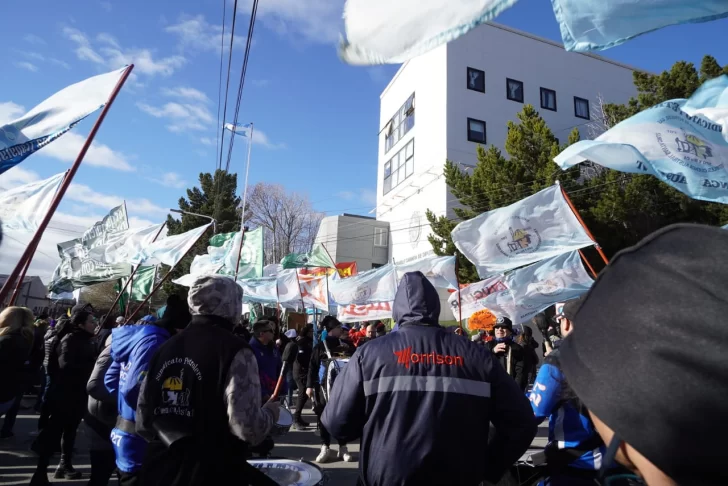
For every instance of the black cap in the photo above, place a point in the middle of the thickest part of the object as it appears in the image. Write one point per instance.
(571, 308)
(503, 322)
(648, 355)
(330, 322)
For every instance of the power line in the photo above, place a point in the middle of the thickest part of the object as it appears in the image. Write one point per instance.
(227, 83)
(219, 86)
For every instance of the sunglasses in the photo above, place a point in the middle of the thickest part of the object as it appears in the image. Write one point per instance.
(609, 463)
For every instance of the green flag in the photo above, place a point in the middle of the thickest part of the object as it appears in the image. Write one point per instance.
(142, 284)
(251, 256)
(317, 257)
(122, 300)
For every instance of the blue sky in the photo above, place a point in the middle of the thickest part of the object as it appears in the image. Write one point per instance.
(316, 118)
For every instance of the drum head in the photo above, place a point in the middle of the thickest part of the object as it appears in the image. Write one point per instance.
(285, 418)
(290, 473)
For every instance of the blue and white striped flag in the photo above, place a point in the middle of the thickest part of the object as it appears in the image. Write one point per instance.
(53, 117)
(684, 143)
(242, 130)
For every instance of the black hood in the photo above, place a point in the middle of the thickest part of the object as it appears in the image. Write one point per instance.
(416, 301)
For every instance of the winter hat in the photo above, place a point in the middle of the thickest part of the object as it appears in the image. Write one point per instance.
(655, 372)
(330, 322)
(503, 322)
(291, 333)
(120, 320)
(216, 295)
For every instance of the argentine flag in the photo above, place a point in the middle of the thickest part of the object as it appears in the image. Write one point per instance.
(242, 130)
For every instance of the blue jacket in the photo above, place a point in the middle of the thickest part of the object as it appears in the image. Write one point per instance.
(569, 427)
(421, 400)
(269, 368)
(131, 349)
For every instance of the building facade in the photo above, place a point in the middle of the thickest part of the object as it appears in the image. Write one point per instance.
(353, 238)
(445, 103)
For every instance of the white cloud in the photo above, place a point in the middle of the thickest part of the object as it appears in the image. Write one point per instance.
(67, 147)
(170, 179)
(86, 195)
(33, 39)
(260, 138)
(84, 51)
(182, 116)
(26, 65)
(109, 39)
(58, 62)
(187, 93)
(315, 20)
(207, 141)
(195, 33)
(17, 176)
(9, 111)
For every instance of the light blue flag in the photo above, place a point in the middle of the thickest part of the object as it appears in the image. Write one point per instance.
(376, 285)
(168, 250)
(588, 25)
(681, 142)
(242, 130)
(259, 290)
(532, 229)
(53, 117)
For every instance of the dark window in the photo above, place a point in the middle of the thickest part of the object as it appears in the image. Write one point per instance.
(514, 90)
(399, 167)
(548, 99)
(401, 123)
(476, 80)
(476, 130)
(581, 108)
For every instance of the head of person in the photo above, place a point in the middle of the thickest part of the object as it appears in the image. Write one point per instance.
(332, 326)
(503, 328)
(371, 331)
(83, 307)
(565, 314)
(345, 331)
(120, 321)
(306, 331)
(263, 331)
(291, 334)
(17, 320)
(217, 298)
(655, 378)
(83, 321)
(416, 301)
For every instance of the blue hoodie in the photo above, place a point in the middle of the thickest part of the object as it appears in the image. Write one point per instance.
(269, 368)
(132, 347)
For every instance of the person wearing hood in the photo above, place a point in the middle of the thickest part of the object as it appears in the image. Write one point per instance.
(429, 394)
(132, 347)
(200, 404)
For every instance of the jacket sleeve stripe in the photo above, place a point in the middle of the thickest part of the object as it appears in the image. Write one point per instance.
(391, 384)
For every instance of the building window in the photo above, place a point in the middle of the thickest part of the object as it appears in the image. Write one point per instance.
(399, 167)
(548, 99)
(514, 90)
(476, 130)
(380, 237)
(581, 108)
(401, 123)
(476, 80)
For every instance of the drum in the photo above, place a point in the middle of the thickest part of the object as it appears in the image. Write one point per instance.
(290, 473)
(333, 369)
(283, 424)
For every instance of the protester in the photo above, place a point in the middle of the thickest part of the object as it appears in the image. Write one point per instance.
(655, 377)
(381, 330)
(297, 355)
(37, 355)
(574, 451)
(16, 343)
(288, 361)
(329, 347)
(530, 358)
(100, 419)
(131, 349)
(72, 359)
(199, 408)
(421, 400)
(507, 352)
(50, 367)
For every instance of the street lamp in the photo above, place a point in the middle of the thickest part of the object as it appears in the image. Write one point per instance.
(214, 223)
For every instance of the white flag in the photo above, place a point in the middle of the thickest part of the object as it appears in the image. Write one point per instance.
(23, 208)
(259, 290)
(535, 228)
(440, 271)
(53, 117)
(123, 247)
(169, 250)
(288, 288)
(377, 285)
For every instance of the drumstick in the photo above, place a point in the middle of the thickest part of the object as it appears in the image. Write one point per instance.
(278, 383)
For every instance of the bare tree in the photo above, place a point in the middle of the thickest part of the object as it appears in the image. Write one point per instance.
(289, 219)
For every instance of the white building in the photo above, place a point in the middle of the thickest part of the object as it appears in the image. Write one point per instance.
(354, 238)
(444, 103)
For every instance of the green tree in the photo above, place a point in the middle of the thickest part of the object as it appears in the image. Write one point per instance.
(216, 197)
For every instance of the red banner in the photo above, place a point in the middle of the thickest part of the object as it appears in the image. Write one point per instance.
(346, 269)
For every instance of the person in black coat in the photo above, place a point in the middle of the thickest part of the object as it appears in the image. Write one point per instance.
(508, 352)
(529, 344)
(16, 341)
(297, 355)
(73, 358)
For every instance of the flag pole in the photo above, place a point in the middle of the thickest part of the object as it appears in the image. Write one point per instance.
(583, 225)
(128, 281)
(245, 194)
(588, 265)
(159, 285)
(460, 302)
(33, 244)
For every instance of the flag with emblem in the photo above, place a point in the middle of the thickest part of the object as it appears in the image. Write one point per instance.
(22, 208)
(317, 257)
(376, 285)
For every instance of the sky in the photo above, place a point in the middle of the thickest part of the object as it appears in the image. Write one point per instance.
(316, 119)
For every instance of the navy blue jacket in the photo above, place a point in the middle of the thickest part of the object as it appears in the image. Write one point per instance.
(421, 400)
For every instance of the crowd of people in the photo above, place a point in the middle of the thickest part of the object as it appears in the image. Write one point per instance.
(183, 398)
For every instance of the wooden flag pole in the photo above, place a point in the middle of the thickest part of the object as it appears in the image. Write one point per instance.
(583, 225)
(128, 282)
(159, 285)
(588, 265)
(33, 244)
(460, 302)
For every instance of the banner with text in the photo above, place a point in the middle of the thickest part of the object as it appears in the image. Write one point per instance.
(367, 312)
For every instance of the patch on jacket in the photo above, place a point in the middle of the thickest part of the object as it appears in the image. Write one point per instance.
(406, 356)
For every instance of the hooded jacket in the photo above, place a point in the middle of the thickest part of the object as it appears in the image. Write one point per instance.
(132, 348)
(269, 367)
(430, 393)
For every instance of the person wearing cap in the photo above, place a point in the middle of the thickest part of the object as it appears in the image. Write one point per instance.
(329, 347)
(508, 353)
(200, 403)
(653, 373)
(574, 451)
(297, 356)
(421, 400)
(290, 336)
